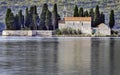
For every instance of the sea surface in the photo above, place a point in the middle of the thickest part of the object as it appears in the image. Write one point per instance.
(59, 56)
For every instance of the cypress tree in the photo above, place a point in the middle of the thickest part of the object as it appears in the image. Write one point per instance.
(48, 22)
(81, 13)
(34, 24)
(31, 10)
(35, 19)
(35, 10)
(102, 18)
(86, 13)
(55, 17)
(97, 12)
(16, 23)
(97, 16)
(76, 11)
(59, 17)
(9, 20)
(91, 14)
(21, 19)
(27, 18)
(111, 19)
(43, 17)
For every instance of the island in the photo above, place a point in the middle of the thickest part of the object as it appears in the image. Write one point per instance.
(49, 23)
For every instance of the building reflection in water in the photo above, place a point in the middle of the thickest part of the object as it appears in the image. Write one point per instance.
(74, 56)
(62, 56)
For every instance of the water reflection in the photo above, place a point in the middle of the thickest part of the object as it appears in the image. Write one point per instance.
(74, 56)
(112, 47)
(114, 56)
(105, 53)
(100, 56)
(19, 57)
(60, 56)
(48, 57)
(29, 58)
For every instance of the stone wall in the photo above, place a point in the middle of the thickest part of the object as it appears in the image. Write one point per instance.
(27, 33)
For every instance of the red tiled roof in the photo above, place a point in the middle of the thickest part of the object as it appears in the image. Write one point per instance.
(77, 18)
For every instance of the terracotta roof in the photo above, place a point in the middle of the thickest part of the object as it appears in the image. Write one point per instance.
(77, 18)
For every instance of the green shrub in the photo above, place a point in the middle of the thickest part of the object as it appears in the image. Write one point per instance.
(58, 32)
(67, 31)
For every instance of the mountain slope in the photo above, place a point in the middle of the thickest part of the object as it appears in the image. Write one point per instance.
(67, 5)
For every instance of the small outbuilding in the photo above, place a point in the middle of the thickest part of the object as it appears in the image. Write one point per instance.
(102, 29)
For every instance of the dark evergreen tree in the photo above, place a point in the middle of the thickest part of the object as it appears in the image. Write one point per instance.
(35, 18)
(48, 22)
(9, 20)
(97, 16)
(31, 10)
(35, 22)
(55, 17)
(43, 17)
(16, 23)
(102, 18)
(81, 12)
(35, 10)
(76, 11)
(86, 14)
(59, 18)
(27, 18)
(111, 19)
(91, 14)
(21, 19)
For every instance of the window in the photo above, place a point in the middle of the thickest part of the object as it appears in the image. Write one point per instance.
(73, 23)
(82, 23)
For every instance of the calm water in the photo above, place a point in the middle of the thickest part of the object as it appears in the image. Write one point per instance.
(59, 56)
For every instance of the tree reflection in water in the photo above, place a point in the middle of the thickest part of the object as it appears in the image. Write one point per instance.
(60, 56)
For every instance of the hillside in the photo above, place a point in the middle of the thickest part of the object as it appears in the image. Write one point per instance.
(67, 5)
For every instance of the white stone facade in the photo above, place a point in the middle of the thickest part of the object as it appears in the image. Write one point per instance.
(27, 33)
(102, 29)
(77, 23)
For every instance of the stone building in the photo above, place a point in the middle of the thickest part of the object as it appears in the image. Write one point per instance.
(102, 29)
(77, 23)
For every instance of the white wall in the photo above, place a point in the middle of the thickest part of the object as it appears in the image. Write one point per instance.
(61, 26)
(86, 28)
(27, 33)
(104, 30)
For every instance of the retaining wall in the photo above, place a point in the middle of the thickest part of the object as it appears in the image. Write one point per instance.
(27, 33)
